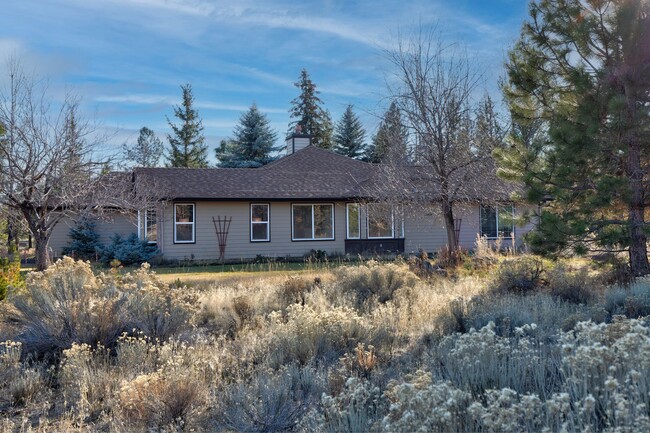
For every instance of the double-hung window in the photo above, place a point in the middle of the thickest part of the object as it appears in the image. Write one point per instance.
(260, 227)
(312, 222)
(184, 220)
(497, 221)
(150, 226)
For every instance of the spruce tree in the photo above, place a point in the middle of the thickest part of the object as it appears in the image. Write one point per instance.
(391, 139)
(253, 142)
(186, 142)
(578, 80)
(349, 136)
(308, 113)
(84, 241)
(146, 152)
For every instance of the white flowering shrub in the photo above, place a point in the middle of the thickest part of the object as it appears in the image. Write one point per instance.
(358, 408)
(482, 360)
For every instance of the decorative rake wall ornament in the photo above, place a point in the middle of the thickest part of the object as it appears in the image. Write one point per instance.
(222, 226)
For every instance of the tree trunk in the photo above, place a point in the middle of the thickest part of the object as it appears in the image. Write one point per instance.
(42, 256)
(636, 207)
(636, 215)
(448, 215)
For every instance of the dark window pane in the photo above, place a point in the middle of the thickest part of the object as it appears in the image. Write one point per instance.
(151, 231)
(302, 222)
(488, 222)
(353, 220)
(323, 228)
(260, 212)
(184, 213)
(184, 232)
(506, 222)
(380, 221)
(260, 232)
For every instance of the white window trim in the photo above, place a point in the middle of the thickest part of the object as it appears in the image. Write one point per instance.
(496, 208)
(392, 223)
(267, 222)
(146, 232)
(347, 220)
(193, 223)
(313, 225)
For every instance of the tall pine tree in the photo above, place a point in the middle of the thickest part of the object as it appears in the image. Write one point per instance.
(308, 113)
(186, 142)
(146, 152)
(253, 142)
(391, 139)
(578, 79)
(349, 136)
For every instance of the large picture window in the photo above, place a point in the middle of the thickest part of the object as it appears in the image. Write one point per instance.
(151, 226)
(184, 223)
(260, 227)
(497, 221)
(381, 223)
(312, 222)
(353, 219)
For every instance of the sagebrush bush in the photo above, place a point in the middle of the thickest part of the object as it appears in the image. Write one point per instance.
(520, 276)
(373, 283)
(68, 304)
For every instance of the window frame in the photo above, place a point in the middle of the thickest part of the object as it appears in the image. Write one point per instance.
(313, 225)
(497, 208)
(193, 223)
(347, 220)
(146, 224)
(392, 222)
(267, 222)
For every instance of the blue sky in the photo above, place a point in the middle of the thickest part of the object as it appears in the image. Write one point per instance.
(127, 58)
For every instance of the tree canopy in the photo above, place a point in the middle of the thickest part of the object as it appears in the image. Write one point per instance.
(308, 113)
(349, 135)
(146, 151)
(252, 144)
(391, 139)
(187, 148)
(578, 88)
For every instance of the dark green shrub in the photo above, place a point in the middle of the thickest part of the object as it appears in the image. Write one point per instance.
(84, 241)
(129, 251)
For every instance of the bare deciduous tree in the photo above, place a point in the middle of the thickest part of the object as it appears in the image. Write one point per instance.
(47, 170)
(434, 86)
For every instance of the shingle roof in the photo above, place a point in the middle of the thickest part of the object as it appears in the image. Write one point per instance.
(310, 173)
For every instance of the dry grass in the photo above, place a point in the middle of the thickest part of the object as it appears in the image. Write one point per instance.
(363, 348)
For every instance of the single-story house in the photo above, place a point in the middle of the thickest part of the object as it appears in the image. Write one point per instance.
(310, 199)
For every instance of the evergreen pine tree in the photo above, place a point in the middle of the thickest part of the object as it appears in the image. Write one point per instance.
(84, 241)
(186, 142)
(253, 142)
(391, 139)
(146, 152)
(578, 80)
(349, 137)
(308, 113)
